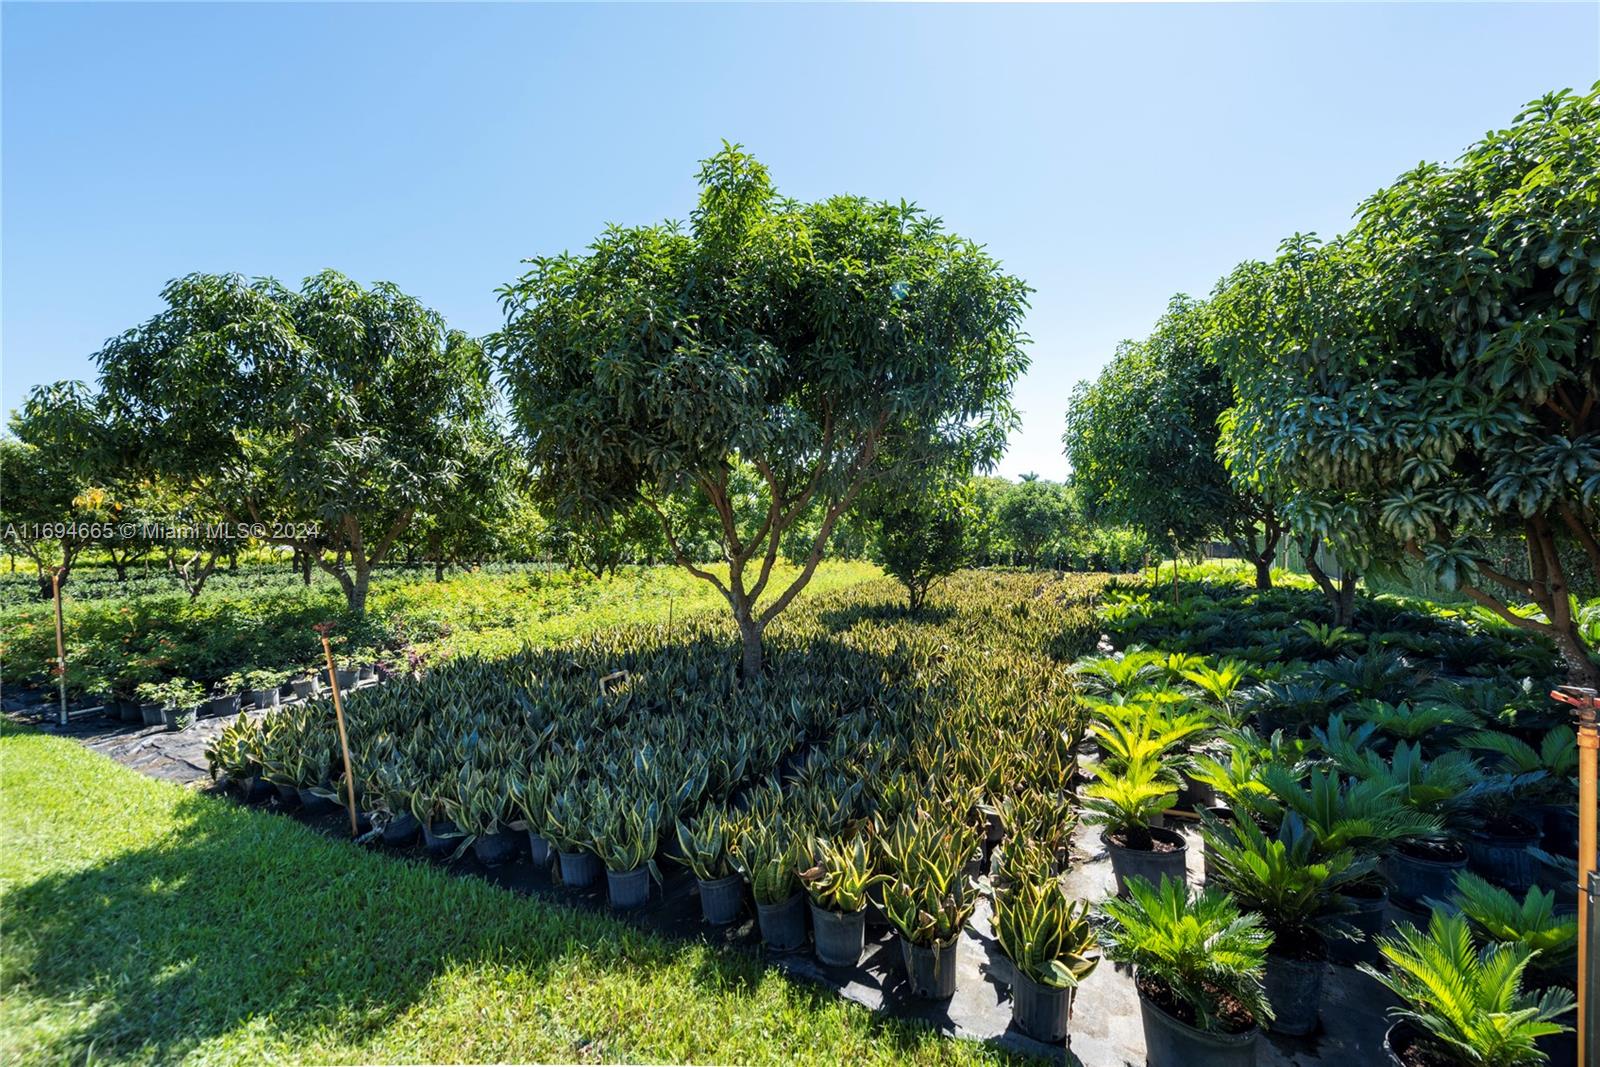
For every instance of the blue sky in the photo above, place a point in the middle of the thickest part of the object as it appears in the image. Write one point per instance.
(1111, 156)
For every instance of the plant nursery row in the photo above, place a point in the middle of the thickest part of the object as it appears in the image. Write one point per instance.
(904, 766)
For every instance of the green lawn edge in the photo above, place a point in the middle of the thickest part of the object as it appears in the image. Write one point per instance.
(142, 922)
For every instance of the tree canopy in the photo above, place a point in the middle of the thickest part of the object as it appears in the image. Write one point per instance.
(1434, 376)
(829, 345)
(330, 416)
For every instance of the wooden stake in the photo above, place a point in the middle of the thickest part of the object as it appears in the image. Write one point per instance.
(61, 644)
(1587, 703)
(344, 741)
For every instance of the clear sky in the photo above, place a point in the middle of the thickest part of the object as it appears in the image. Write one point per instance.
(1110, 155)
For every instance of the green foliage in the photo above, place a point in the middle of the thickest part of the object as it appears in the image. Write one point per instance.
(1290, 879)
(1532, 922)
(840, 875)
(922, 536)
(704, 840)
(1044, 933)
(1127, 801)
(1468, 1003)
(620, 400)
(769, 853)
(1196, 945)
(928, 895)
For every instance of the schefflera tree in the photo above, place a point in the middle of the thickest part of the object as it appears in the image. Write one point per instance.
(831, 346)
(335, 408)
(1457, 390)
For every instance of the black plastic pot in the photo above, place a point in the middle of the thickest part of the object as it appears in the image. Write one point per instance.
(288, 794)
(494, 849)
(1396, 1040)
(128, 711)
(440, 837)
(783, 925)
(1294, 989)
(151, 714)
(346, 679)
(721, 899)
(1170, 1042)
(1040, 1011)
(366, 673)
(262, 699)
(1370, 911)
(538, 850)
(400, 830)
(628, 889)
(253, 789)
(930, 969)
(176, 719)
(305, 688)
(223, 705)
(1415, 877)
(840, 936)
(1560, 825)
(1130, 862)
(580, 870)
(1193, 795)
(1501, 855)
(314, 803)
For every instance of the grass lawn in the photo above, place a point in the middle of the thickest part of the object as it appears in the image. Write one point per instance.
(146, 923)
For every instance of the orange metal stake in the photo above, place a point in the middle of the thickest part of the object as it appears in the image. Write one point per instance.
(61, 644)
(1587, 703)
(344, 741)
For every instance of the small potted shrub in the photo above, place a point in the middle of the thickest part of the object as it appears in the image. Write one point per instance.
(1197, 967)
(703, 842)
(837, 883)
(1047, 937)
(769, 856)
(346, 671)
(224, 699)
(440, 835)
(1127, 804)
(568, 828)
(625, 838)
(1462, 1006)
(531, 794)
(482, 809)
(928, 897)
(261, 688)
(176, 701)
(1292, 888)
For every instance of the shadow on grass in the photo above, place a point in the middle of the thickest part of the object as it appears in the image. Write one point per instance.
(236, 916)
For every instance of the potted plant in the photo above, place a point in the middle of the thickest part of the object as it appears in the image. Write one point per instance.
(1198, 963)
(1127, 803)
(224, 698)
(1366, 817)
(837, 883)
(568, 827)
(1496, 915)
(1046, 936)
(176, 701)
(261, 687)
(1462, 1006)
(1292, 888)
(703, 842)
(531, 794)
(307, 682)
(769, 856)
(233, 755)
(928, 897)
(482, 810)
(346, 670)
(625, 838)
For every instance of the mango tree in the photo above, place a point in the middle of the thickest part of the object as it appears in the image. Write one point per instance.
(830, 346)
(325, 418)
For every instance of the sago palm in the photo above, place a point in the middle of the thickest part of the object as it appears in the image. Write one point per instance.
(1468, 1003)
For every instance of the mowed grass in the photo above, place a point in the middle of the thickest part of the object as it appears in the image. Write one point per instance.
(145, 923)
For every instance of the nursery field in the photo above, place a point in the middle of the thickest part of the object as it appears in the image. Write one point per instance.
(120, 635)
(1399, 790)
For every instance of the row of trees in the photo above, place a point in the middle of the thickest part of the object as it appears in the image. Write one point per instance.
(742, 382)
(1406, 395)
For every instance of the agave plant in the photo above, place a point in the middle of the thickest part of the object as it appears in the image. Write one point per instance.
(1045, 933)
(1196, 946)
(840, 875)
(1496, 915)
(1468, 1004)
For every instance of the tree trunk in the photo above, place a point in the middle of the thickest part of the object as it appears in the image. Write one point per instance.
(438, 570)
(750, 662)
(1341, 597)
(1264, 573)
(356, 595)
